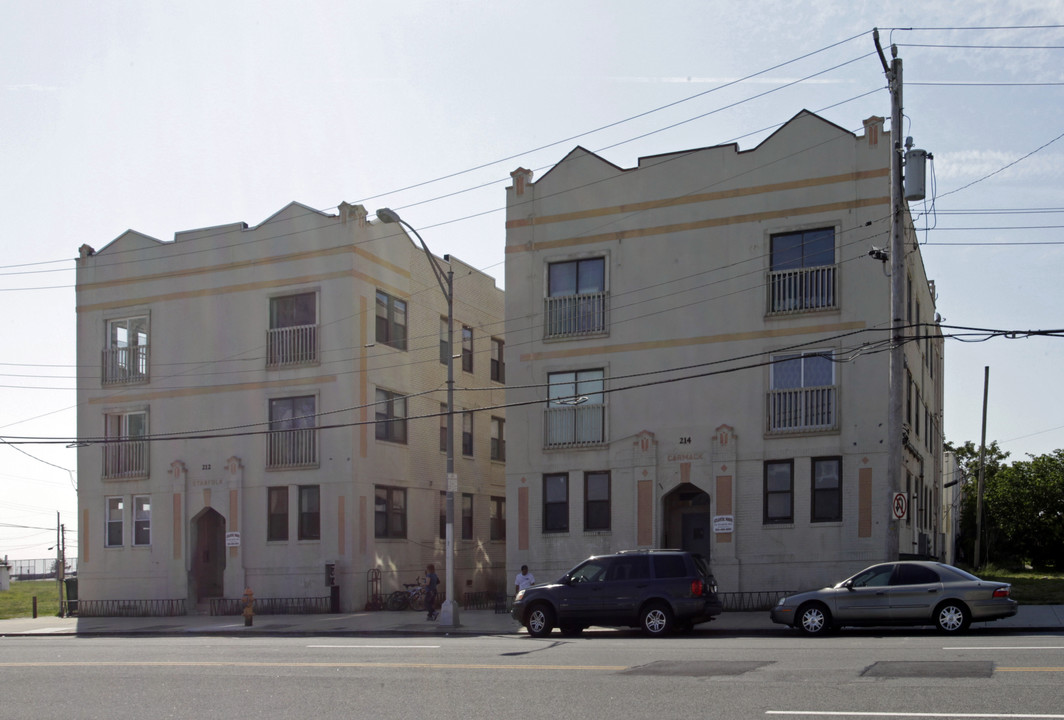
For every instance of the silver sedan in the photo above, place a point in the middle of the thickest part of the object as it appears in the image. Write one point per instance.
(899, 593)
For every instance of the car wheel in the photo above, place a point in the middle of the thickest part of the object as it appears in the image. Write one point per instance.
(952, 617)
(656, 619)
(540, 620)
(572, 630)
(814, 619)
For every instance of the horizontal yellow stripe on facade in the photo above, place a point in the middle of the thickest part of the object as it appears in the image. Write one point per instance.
(242, 287)
(702, 197)
(240, 265)
(698, 224)
(584, 351)
(126, 399)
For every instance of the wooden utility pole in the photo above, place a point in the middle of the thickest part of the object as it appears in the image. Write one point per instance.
(897, 291)
(982, 475)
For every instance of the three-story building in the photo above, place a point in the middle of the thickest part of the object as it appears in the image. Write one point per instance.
(698, 358)
(264, 407)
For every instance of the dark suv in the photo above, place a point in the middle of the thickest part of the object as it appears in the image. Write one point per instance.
(656, 590)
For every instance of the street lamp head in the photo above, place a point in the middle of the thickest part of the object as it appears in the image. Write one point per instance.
(388, 215)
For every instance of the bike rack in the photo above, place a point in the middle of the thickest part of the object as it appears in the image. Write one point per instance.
(374, 600)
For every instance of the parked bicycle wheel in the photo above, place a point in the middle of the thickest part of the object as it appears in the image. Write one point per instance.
(417, 601)
(398, 600)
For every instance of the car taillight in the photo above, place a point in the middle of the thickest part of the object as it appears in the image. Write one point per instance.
(1002, 592)
(696, 588)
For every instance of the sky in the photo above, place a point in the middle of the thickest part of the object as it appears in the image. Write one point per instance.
(164, 117)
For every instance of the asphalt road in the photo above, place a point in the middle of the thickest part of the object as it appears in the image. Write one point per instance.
(602, 676)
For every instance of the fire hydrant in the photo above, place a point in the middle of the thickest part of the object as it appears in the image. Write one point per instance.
(249, 607)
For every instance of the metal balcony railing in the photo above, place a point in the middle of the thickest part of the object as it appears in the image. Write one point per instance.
(803, 409)
(292, 448)
(124, 459)
(576, 315)
(122, 365)
(295, 345)
(802, 289)
(577, 426)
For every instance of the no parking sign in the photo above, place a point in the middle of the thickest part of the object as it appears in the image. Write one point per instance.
(900, 506)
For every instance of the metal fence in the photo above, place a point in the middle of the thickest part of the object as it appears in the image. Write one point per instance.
(40, 569)
(751, 601)
(273, 606)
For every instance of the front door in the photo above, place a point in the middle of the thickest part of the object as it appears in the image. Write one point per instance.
(208, 555)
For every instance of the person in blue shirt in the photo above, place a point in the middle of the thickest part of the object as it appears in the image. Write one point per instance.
(431, 591)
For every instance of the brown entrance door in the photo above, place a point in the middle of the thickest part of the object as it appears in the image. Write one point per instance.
(208, 557)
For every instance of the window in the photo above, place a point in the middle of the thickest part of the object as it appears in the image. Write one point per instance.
(498, 518)
(115, 514)
(389, 512)
(576, 298)
(277, 513)
(498, 439)
(576, 410)
(556, 503)
(391, 321)
(141, 520)
(467, 348)
(467, 516)
(597, 501)
(309, 512)
(827, 489)
(498, 364)
(443, 427)
(906, 574)
(670, 565)
(779, 492)
(803, 395)
(391, 416)
(467, 433)
(802, 274)
(125, 455)
(293, 335)
(125, 355)
(293, 438)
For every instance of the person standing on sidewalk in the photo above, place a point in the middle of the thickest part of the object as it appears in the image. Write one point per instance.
(433, 581)
(524, 579)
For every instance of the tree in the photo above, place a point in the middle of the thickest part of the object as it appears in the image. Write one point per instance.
(1026, 501)
(968, 460)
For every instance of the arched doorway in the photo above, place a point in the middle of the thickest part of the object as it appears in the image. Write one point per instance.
(208, 555)
(688, 520)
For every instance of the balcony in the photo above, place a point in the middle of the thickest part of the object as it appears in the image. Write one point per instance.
(812, 409)
(294, 345)
(125, 459)
(574, 427)
(570, 316)
(125, 365)
(802, 290)
(289, 449)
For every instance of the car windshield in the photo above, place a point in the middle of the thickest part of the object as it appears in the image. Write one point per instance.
(875, 576)
(591, 571)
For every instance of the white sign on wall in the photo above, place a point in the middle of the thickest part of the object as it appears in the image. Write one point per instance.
(723, 523)
(232, 539)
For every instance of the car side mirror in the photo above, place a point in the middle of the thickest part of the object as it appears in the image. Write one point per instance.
(848, 585)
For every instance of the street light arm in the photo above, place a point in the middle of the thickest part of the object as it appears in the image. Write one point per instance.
(388, 215)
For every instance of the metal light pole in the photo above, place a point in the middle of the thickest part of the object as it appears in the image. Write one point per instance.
(449, 608)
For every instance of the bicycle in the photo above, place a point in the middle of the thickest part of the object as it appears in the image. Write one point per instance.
(413, 597)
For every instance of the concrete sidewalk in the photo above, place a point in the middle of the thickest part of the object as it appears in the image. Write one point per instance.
(1035, 618)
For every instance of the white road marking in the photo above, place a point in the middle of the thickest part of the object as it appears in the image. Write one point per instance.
(843, 713)
(1009, 647)
(381, 647)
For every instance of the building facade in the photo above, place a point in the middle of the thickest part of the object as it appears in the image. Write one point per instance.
(698, 357)
(264, 407)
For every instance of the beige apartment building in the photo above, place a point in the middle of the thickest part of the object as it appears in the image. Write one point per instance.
(264, 407)
(697, 353)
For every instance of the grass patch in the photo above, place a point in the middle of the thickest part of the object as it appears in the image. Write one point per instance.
(18, 601)
(1029, 587)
